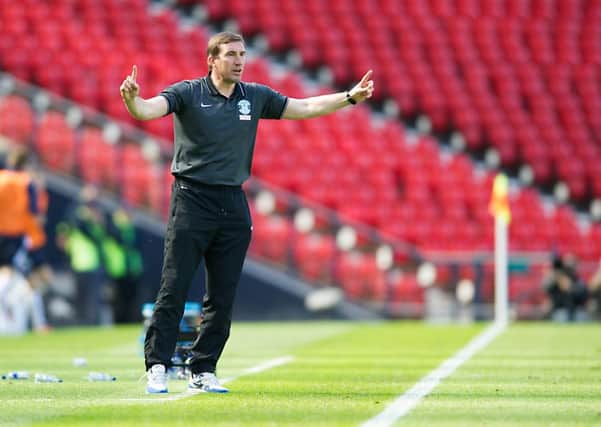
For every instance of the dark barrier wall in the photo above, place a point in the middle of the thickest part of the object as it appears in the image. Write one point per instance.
(257, 299)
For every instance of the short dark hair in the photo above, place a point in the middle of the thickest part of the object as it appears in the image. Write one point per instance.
(222, 38)
(17, 158)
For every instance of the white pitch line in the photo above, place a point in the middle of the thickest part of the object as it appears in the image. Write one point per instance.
(265, 366)
(269, 364)
(411, 398)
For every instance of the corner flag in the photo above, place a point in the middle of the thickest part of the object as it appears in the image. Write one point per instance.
(499, 207)
(499, 201)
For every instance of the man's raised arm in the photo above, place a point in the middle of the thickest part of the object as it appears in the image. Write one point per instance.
(320, 105)
(140, 108)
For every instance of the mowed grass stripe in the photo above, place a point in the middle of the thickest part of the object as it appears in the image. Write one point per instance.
(532, 375)
(403, 404)
(352, 376)
(261, 367)
(24, 402)
(342, 375)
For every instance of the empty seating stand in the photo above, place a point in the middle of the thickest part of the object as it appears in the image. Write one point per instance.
(521, 76)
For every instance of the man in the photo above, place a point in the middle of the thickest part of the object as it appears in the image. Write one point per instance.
(595, 294)
(23, 204)
(567, 294)
(81, 237)
(32, 262)
(215, 122)
(124, 263)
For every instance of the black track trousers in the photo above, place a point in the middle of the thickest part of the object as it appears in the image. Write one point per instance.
(210, 222)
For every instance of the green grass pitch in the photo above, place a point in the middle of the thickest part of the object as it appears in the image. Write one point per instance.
(342, 374)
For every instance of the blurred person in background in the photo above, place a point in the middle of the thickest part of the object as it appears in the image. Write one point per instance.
(81, 236)
(23, 204)
(124, 264)
(215, 121)
(594, 289)
(31, 260)
(566, 292)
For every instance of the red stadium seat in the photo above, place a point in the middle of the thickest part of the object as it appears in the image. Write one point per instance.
(406, 290)
(97, 160)
(141, 180)
(16, 119)
(271, 238)
(314, 257)
(56, 142)
(360, 278)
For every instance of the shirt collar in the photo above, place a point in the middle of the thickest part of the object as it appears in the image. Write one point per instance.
(238, 90)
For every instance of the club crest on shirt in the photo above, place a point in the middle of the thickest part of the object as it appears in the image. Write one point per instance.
(244, 109)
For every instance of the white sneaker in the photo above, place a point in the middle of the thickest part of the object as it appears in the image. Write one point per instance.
(157, 379)
(207, 382)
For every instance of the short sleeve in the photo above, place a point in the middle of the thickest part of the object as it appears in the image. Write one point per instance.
(177, 96)
(274, 102)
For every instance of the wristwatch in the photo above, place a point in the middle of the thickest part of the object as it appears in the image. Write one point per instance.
(350, 99)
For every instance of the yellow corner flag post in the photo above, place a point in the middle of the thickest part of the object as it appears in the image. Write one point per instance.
(499, 208)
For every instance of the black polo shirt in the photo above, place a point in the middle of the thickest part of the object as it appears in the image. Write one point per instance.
(214, 135)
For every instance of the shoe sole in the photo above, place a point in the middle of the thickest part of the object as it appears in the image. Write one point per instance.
(156, 391)
(201, 390)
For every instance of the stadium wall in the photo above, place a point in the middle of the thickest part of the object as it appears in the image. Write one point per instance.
(263, 293)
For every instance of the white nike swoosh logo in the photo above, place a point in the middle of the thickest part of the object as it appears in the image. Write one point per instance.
(205, 105)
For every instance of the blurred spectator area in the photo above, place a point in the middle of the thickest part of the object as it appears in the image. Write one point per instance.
(518, 79)
(377, 263)
(370, 170)
(404, 186)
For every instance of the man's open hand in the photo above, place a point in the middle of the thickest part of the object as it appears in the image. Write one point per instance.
(364, 89)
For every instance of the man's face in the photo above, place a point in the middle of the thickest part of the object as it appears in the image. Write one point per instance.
(229, 64)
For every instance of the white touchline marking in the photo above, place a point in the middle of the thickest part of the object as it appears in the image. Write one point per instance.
(411, 398)
(261, 367)
(273, 363)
